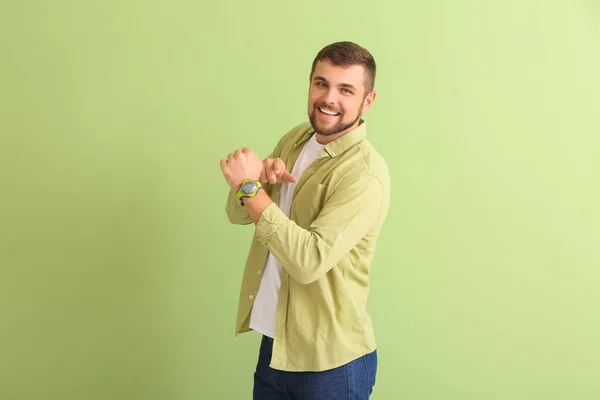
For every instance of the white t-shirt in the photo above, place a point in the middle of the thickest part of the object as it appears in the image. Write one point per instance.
(262, 318)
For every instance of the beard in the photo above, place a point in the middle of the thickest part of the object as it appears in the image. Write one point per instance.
(337, 128)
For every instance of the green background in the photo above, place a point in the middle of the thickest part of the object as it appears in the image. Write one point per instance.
(119, 272)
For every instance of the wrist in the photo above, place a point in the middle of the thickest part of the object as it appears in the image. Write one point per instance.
(260, 194)
(256, 205)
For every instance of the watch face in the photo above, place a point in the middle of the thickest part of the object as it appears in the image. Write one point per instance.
(249, 187)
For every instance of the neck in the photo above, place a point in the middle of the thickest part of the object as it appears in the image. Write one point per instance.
(325, 139)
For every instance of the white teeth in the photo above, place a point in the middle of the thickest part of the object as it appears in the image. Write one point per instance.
(327, 111)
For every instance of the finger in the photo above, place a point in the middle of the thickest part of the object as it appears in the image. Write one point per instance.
(263, 176)
(223, 163)
(278, 166)
(229, 156)
(272, 176)
(246, 150)
(288, 177)
(238, 153)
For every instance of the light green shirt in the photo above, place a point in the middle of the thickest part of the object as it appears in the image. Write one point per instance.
(325, 247)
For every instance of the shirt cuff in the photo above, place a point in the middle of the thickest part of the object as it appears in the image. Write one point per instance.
(269, 222)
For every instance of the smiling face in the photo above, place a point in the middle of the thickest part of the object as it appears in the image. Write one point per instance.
(337, 98)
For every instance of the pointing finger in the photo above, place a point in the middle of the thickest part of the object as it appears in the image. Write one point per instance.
(288, 177)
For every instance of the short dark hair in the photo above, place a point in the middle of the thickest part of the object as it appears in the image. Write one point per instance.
(348, 53)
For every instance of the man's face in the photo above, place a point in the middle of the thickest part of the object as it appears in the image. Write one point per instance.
(337, 98)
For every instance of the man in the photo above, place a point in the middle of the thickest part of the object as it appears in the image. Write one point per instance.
(306, 279)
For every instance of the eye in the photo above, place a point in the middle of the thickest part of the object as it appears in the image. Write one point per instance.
(346, 91)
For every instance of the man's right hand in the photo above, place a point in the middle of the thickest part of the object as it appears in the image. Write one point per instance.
(274, 171)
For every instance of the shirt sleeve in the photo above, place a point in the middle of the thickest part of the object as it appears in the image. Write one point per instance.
(346, 217)
(235, 210)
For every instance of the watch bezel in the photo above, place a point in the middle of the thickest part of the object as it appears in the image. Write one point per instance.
(249, 187)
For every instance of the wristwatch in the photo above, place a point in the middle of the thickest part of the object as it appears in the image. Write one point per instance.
(249, 188)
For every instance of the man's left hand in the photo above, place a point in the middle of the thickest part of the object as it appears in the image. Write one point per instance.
(241, 165)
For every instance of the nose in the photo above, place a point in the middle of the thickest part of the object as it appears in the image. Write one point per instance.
(330, 96)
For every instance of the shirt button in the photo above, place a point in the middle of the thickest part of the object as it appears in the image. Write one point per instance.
(250, 297)
(259, 272)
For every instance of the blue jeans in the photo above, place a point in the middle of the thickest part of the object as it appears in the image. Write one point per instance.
(354, 380)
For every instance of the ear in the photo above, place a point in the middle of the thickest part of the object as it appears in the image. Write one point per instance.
(368, 102)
